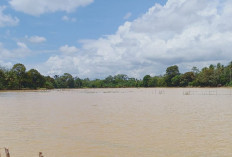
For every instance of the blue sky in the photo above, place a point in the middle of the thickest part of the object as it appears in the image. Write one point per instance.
(97, 38)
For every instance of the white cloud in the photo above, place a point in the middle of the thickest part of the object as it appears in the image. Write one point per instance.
(68, 49)
(183, 32)
(59, 65)
(39, 7)
(22, 45)
(66, 18)
(36, 39)
(127, 16)
(8, 54)
(7, 20)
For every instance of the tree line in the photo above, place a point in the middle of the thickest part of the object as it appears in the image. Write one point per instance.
(213, 76)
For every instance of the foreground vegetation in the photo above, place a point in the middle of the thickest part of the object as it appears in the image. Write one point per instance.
(18, 78)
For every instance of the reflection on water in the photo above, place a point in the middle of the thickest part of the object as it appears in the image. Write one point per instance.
(117, 123)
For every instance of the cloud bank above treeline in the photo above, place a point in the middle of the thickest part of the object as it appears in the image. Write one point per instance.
(186, 33)
(183, 32)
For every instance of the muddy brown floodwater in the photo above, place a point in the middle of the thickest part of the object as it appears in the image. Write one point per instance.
(117, 122)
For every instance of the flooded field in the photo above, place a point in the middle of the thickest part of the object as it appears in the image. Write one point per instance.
(117, 123)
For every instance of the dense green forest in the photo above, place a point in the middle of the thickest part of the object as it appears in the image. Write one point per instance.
(213, 76)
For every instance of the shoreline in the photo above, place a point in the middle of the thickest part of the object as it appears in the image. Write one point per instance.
(66, 89)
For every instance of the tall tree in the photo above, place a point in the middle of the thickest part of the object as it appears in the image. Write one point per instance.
(186, 78)
(77, 82)
(20, 71)
(2, 79)
(50, 82)
(12, 81)
(146, 80)
(65, 81)
(207, 77)
(35, 79)
(171, 72)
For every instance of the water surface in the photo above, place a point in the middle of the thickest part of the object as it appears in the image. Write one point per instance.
(117, 123)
